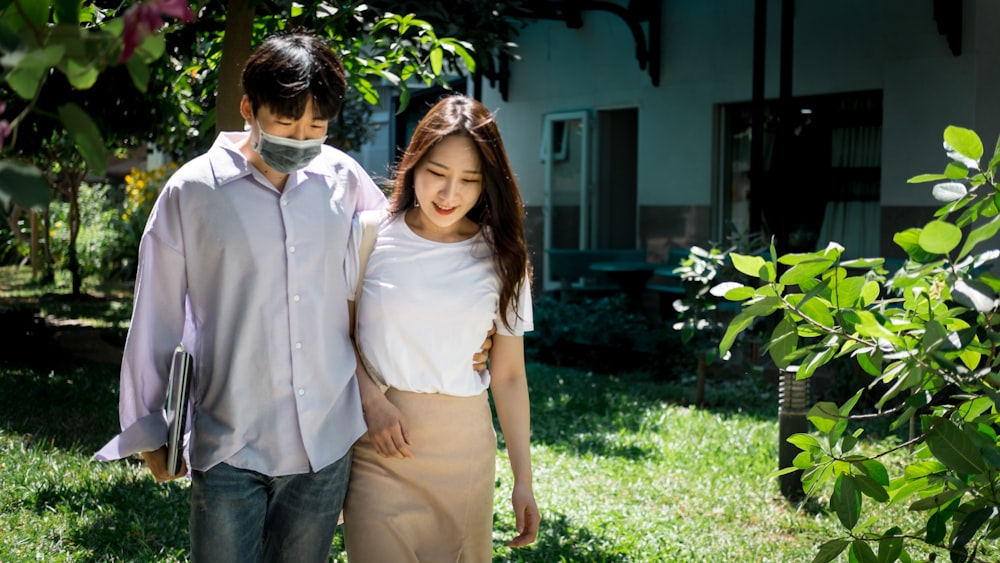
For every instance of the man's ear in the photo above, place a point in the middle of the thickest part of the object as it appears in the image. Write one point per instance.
(246, 109)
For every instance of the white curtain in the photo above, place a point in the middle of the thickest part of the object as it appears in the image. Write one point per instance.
(853, 214)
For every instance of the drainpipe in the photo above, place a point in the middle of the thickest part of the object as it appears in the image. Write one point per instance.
(793, 393)
(757, 113)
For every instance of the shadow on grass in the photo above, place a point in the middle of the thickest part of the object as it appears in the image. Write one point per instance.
(559, 540)
(127, 520)
(65, 406)
(584, 413)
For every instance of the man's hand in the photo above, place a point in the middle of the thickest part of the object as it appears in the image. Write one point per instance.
(156, 461)
(479, 360)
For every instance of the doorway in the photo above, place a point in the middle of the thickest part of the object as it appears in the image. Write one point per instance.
(591, 197)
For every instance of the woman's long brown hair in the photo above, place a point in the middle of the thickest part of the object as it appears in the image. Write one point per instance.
(500, 207)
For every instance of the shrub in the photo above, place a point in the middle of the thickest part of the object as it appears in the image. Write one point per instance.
(604, 336)
(927, 337)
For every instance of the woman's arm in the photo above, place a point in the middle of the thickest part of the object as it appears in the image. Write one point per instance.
(386, 426)
(509, 384)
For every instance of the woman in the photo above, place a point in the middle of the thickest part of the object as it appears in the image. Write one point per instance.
(450, 261)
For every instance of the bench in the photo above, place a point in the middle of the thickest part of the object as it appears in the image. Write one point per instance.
(571, 268)
(671, 283)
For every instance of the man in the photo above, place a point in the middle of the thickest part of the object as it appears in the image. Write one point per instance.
(242, 262)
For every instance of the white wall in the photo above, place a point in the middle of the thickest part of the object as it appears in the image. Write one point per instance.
(707, 58)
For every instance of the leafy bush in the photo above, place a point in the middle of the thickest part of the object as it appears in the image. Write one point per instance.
(98, 241)
(927, 336)
(604, 336)
(111, 224)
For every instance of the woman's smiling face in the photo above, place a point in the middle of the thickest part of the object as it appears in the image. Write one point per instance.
(447, 184)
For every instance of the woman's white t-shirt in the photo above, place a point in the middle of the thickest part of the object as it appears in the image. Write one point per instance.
(426, 307)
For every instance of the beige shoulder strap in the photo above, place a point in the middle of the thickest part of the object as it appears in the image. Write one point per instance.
(369, 231)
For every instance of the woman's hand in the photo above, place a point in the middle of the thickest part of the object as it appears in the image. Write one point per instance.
(387, 428)
(526, 516)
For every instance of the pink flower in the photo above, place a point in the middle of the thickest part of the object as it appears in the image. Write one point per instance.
(146, 17)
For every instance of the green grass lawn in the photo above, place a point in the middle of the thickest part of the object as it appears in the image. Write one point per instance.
(625, 471)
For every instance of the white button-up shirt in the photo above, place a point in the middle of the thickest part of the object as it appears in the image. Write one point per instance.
(251, 280)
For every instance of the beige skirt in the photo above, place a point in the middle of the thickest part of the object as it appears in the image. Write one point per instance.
(437, 506)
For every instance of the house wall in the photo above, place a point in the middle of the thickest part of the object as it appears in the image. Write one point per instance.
(707, 60)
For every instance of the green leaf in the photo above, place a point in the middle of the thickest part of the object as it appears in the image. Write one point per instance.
(752, 266)
(139, 71)
(863, 552)
(967, 528)
(978, 235)
(30, 69)
(847, 291)
(937, 528)
(890, 548)
(437, 55)
(953, 448)
(784, 341)
(739, 323)
(67, 11)
(814, 361)
(922, 469)
(33, 13)
(80, 76)
(152, 47)
(462, 49)
(804, 442)
(940, 237)
(818, 312)
(830, 550)
(846, 501)
(871, 362)
(86, 136)
(964, 141)
(824, 416)
(876, 471)
(956, 170)
(23, 184)
(404, 98)
(936, 502)
(870, 488)
(909, 241)
(805, 271)
(927, 178)
(735, 291)
(969, 410)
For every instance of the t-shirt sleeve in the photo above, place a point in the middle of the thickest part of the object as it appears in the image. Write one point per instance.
(519, 314)
(351, 258)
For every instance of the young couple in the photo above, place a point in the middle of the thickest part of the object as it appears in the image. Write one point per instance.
(250, 258)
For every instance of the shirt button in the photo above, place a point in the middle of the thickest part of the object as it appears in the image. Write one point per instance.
(291, 249)
(302, 392)
(298, 345)
(284, 202)
(296, 298)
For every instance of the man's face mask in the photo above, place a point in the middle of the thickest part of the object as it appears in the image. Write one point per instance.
(286, 155)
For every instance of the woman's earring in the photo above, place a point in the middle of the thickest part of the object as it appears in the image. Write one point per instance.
(416, 203)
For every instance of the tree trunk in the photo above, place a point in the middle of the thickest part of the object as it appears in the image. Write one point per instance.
(74, 230)
(236, 49)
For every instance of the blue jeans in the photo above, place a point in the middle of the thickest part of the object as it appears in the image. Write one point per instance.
(243, 516)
